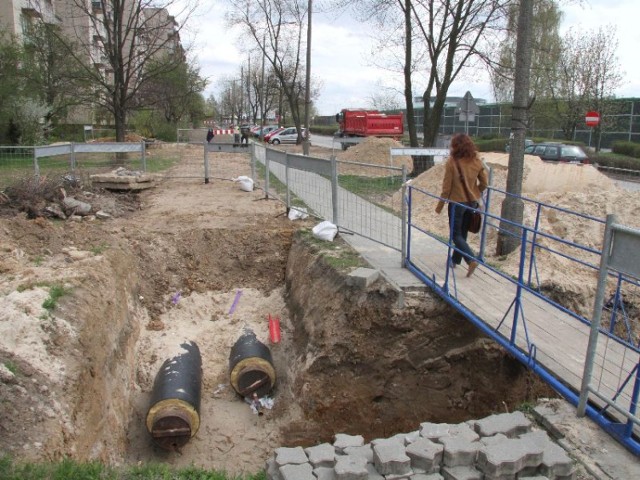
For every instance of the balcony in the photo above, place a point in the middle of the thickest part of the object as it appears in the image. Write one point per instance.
(31, 12)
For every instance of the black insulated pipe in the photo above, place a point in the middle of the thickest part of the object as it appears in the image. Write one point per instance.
(250, 366)
(174, 413)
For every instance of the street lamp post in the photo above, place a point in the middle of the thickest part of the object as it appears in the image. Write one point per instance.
(307, 93)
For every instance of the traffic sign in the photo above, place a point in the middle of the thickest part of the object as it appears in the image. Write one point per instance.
(592, 119)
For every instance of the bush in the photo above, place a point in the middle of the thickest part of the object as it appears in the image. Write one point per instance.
(491, 145)
(323, 129)
(615, 160)
(626, 148)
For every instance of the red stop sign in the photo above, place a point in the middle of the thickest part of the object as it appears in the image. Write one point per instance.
(592, 119)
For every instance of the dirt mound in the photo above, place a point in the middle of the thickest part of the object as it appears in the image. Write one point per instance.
(576, 188)
(375, 151)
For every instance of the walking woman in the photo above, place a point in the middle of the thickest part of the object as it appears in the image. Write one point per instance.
(465, 178)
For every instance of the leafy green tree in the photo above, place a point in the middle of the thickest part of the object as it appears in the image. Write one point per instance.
(545, 50)
(49, 73)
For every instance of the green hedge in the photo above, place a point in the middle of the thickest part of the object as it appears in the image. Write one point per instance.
(616, 160)
(626, 148)
(492, 145)
(323, 129)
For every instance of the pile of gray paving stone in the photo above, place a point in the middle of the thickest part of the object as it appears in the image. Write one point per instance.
(498, 447)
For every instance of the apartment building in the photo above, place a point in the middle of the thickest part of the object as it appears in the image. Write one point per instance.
(153, 32)
(18, 17)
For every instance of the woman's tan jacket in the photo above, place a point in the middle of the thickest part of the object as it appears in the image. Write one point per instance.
(475, 174)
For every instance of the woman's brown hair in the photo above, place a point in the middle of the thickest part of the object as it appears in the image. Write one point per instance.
(462, 146)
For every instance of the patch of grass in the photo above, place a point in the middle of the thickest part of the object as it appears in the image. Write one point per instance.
(338, 254)
(70, 470)
(370, 185)
(12, 367)
(526, 408)
(31, 286)
(99, 249)
(279, 187)
(37, 260)
(55, 292)
(160, 164)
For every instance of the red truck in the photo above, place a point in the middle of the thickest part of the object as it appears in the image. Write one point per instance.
(368, 123)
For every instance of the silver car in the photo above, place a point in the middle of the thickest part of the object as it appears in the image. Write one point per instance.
(288, 135)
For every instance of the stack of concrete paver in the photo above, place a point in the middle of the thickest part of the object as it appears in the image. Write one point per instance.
(498, 447)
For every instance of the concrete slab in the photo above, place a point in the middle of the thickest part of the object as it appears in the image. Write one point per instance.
(364, 451)
(323, 455)
(290, 456)
(509, 424)
(584, 440)
(390, 458)
(351, 468)
(342, 441)
(363, 277)
(302, 471)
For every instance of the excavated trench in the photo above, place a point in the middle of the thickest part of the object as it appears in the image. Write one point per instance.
(350, 361)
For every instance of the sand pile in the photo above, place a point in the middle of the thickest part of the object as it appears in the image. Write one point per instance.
(373, 151)
(576, 188)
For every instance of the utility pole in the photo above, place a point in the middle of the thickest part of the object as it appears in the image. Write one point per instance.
(263, 97)
(307, 93)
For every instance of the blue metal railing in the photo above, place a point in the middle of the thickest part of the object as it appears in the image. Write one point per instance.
(533, 241)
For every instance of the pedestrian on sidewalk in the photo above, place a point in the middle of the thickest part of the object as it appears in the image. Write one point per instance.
(465, 178)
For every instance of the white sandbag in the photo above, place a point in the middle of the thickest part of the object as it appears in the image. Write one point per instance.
(325, 231)
(246, 184)
(296, 213)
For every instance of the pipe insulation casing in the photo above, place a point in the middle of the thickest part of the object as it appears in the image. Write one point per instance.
(174, 413)
(250, 366)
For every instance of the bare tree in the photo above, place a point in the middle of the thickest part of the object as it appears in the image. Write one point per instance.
(452, 31)
(586, 77)
(121, 45)
(277, 27)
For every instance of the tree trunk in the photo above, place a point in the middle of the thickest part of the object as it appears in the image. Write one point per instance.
(422, 163)
(408, 88)
(512, 206)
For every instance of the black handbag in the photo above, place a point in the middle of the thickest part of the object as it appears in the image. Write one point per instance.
(476, 217)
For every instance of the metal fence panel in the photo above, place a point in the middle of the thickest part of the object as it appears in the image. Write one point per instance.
(369, 202)
(15, 163)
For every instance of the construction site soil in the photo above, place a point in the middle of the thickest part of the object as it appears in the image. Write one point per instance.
(188, 260)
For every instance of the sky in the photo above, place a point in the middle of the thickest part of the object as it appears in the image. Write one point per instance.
(341, 57)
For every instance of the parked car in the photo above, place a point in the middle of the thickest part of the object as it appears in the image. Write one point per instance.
(267, 136)
(527, 142)
(558, 152)
(266, 129)
(286, 135)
